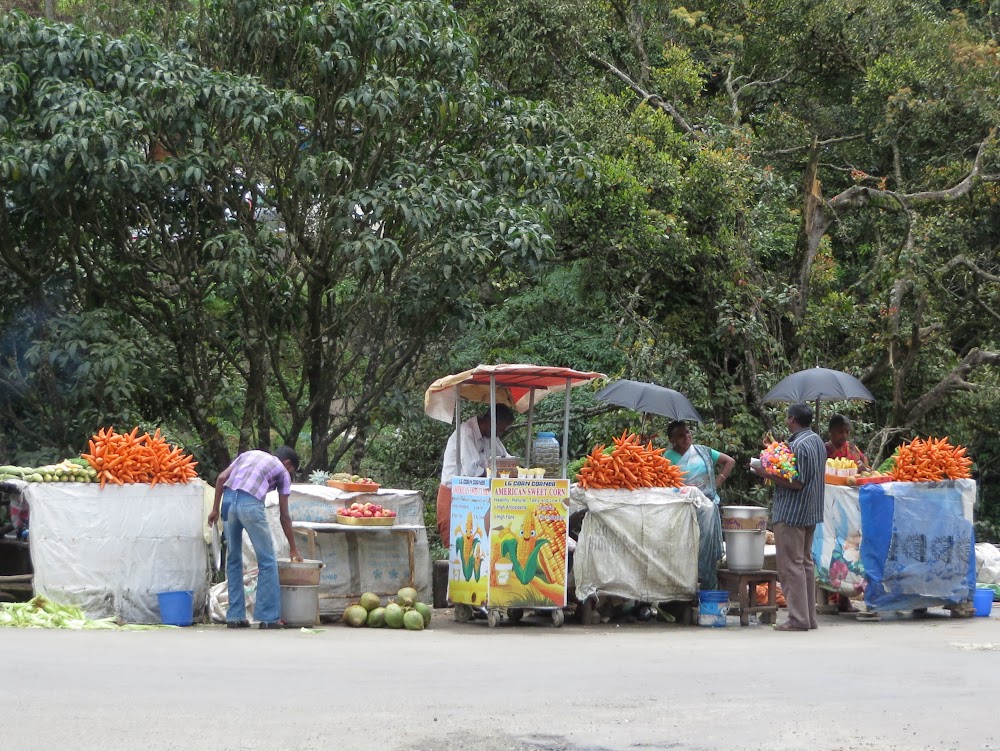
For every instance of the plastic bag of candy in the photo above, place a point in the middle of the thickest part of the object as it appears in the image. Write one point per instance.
(778, 459)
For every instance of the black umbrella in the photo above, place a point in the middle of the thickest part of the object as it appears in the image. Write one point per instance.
(648, 397)
(819, 384)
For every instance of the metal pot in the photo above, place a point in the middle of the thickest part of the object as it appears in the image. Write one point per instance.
(298, 573)
(750, 518)
(300, 605)
(744, 549)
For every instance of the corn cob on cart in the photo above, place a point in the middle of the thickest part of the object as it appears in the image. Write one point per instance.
(509, 553)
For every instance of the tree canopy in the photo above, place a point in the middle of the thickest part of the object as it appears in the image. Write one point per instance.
(263, 221)
(288, 230)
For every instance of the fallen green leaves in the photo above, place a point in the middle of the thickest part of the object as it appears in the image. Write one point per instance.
(40, 612)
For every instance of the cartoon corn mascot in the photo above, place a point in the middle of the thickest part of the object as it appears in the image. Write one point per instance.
(467, 546)
(523, 550)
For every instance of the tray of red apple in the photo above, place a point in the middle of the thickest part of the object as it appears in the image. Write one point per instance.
(366, 515)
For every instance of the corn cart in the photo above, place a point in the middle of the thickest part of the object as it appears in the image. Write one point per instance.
(509, 553)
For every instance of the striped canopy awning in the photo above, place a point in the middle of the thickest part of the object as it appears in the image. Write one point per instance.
(513, 383)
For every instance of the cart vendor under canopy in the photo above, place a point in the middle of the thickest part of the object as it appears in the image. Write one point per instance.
(475, 458)
(507, 388)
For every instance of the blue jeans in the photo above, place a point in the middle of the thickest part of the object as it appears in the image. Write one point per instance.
(247, 512)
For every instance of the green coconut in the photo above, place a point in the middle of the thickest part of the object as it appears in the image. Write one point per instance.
(370, 601)
(376, 618)
(393, 615)
(407, 597)
(425, 611)
(355, 616)
(413, 621)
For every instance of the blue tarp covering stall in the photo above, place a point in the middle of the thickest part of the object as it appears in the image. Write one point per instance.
(917, 544)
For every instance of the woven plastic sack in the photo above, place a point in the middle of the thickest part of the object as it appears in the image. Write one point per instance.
(640, 545)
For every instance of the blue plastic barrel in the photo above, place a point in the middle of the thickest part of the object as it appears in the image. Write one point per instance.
(982, 601)
(176, 608)
(713, 607)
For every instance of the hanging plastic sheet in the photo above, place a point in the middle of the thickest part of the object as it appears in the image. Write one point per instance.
(640, 545)
(110, 551)
(917, 544)
(837, 543)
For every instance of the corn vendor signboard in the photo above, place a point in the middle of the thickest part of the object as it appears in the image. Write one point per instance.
(529, 519)
(509, 541)
(470, 550)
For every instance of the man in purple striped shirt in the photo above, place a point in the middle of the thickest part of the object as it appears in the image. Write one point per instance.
(241, 489)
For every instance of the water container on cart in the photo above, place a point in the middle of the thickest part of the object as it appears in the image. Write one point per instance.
(547, 454)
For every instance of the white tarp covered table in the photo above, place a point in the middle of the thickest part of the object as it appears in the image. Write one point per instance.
(111, 551)
(639, 545)
(363, 562)
(352, 563)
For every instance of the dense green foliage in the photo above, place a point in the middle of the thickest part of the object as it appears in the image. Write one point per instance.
(257, 221)
(287, 235)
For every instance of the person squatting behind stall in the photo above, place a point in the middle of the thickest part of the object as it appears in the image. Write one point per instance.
(706, 469)
(840, 445)
(242, 488)
(798, 508)
(475, 459)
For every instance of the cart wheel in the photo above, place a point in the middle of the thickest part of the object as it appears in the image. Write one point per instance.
(558, 618)
(493, 618)
(463, 613)
(514, 615)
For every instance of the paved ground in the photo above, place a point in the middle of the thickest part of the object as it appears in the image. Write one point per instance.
(894, 685)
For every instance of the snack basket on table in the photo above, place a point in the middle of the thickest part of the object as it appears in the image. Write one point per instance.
(352, 483)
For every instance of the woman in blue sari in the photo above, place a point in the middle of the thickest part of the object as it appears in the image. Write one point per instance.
(706, 469)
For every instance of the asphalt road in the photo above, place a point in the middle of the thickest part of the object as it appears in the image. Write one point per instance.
(899, 684)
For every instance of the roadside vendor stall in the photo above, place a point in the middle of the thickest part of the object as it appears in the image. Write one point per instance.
(638, 545)
(510, 532)
(113, 529)
(906, 545)
(358, 559)
(645, 535)
(355, 559)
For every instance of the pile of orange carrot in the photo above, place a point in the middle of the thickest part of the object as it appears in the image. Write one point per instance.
(931, 460)
(630, 465)
(130, 457)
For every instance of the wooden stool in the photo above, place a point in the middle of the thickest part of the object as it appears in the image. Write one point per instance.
(742, 586)
(822, 608)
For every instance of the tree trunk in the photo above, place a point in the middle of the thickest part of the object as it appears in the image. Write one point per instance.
(257, 413)
(313, 352)
(814, 225)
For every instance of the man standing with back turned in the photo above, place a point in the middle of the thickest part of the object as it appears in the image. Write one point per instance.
(241, 488)
(798, 508)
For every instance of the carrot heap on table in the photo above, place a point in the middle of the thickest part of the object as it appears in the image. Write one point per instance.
(931, 460)
(629, 465)
(129, 457)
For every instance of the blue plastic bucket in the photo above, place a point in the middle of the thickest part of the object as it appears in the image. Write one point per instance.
(713, 607)
(982, 601)
(176, 608)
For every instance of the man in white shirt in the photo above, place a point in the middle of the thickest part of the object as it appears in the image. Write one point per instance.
(475, 459)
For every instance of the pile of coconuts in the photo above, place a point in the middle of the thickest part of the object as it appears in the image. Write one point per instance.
(405, 612)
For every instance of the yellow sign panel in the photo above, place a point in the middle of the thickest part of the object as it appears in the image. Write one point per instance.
(529, 523)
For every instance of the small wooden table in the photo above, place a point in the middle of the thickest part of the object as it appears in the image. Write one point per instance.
(742, 586)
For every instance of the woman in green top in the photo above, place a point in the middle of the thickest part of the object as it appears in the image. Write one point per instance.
(705, 469)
